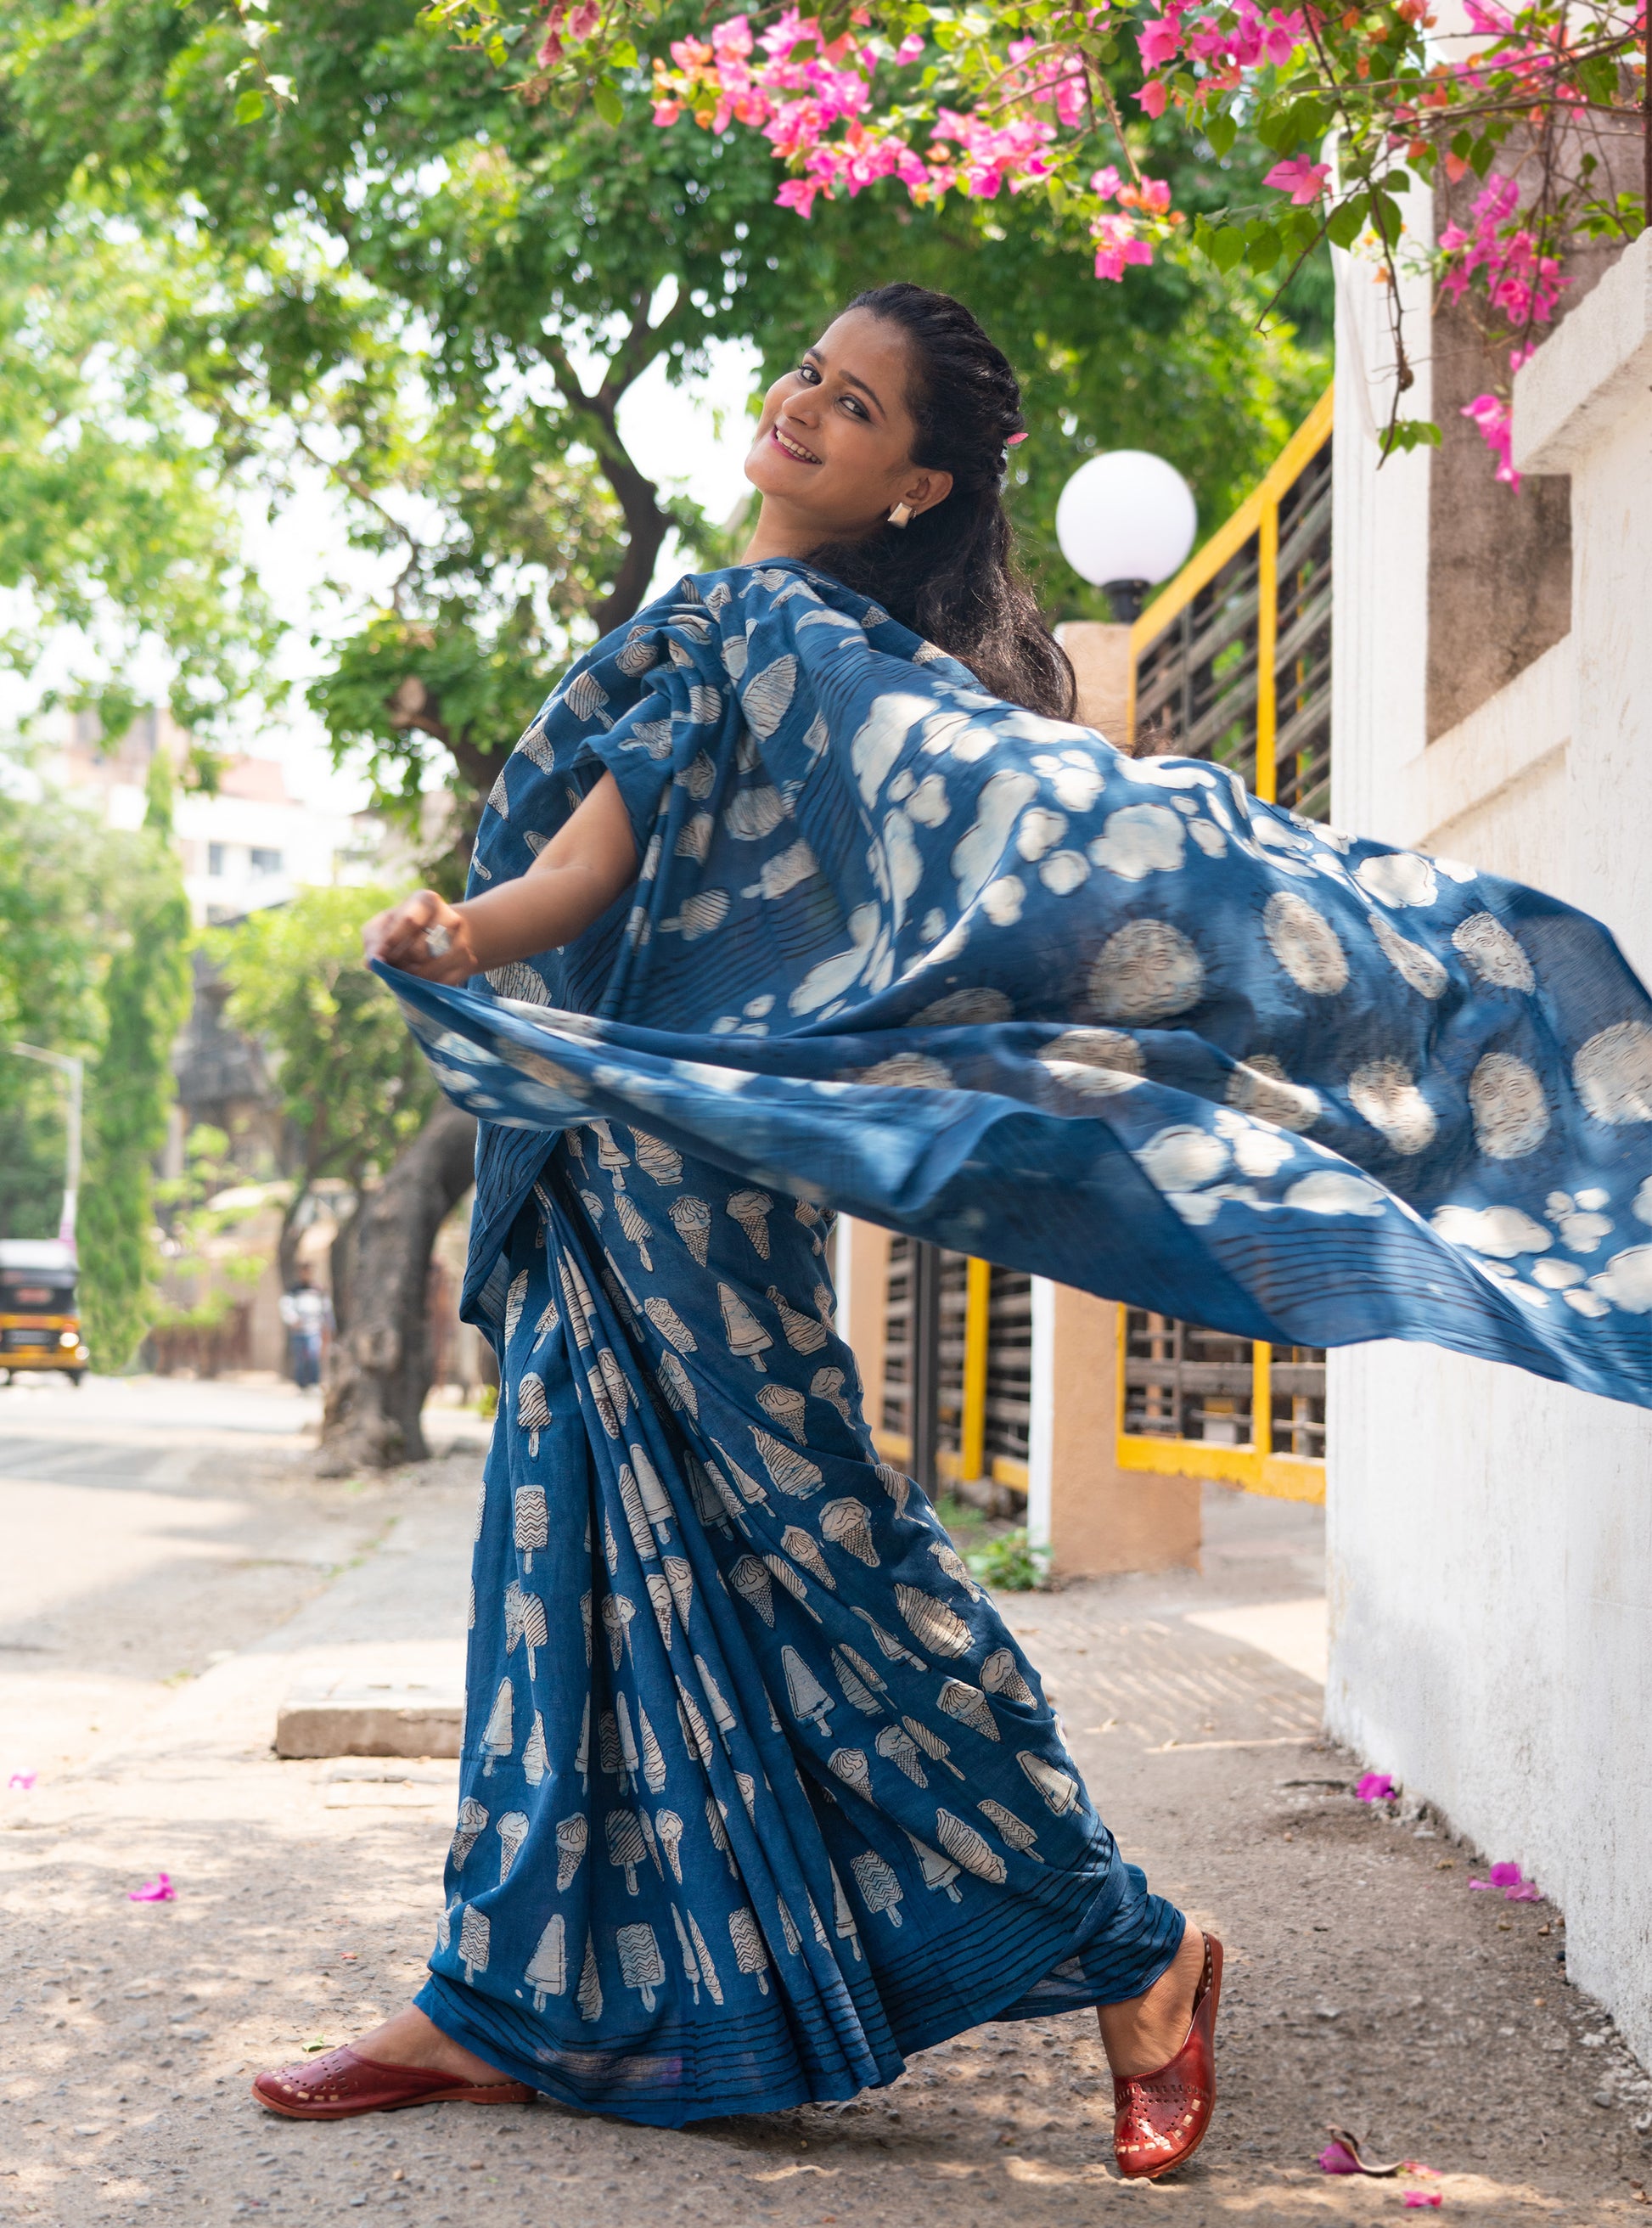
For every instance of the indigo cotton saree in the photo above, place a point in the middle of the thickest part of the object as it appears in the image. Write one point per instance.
(758, 1792)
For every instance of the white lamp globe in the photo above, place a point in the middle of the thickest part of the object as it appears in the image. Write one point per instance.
(1125, 520)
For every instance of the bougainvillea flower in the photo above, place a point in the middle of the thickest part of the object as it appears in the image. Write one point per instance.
(159, 1889)
(21, 1782)
(1304, 180)
(1376, 1787)
(1335, 2159)
(1526, 1892)
(1416, 2198)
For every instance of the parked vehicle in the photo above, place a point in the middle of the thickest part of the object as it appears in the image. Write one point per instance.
(39, 1327)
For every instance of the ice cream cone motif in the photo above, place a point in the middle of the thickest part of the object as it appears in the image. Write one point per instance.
(932, 1624)
(497, 1741)
(657, 1159)
(898, 1746)
(898, 1486)
(679, 1576)
(590, 1996)
(847, 1524)
(969, 1706)
(965, 1847)
(810, 1703)
(618, 1610)
(889, 1647)
(708, 1971)
(641, 1966)
(571, 1837)
(999, 1675)
(531, 1522)
(707, 1507)
(513, 1832)
(582, 1754)
(954, 1567)
(473, 1944)
(844, 1923)
(786, 1405)
(516, 1298)
(827, 1385)
(535, 1759)
(585, 1621)
(524, 1621)
(691, 1219)
(660, 1595)
(718, 1833)
(788, 1927)
(630, 1500)
(751, 1582)
(938, 1871)
(653, 1755)
(472, 1824)
(576, 1299)
(803, 1334)
(548, 1321)
(931, 1743)
(751, 1210)
(695, 1737)
(800, 1546)
(547, 1970)
(668, 1827)
(721, 1716)
(629, 1760)
(793, 1584)
(750, 1953)
(792, 1472)
(1019, 1835)
(748, 1485)
(593, 1206)
(747, 1339)
(1059, 1793)
(881, 1890)
(852, 1768)
(533, 1416)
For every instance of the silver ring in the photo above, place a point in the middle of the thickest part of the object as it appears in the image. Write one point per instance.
(438, 941)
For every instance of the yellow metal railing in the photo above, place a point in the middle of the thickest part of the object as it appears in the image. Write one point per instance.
(1257, 1467)
(1258, 517)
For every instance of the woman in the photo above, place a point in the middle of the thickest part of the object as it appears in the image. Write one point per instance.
(783, 1802)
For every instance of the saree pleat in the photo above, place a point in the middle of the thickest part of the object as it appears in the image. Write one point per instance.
(759, 1792)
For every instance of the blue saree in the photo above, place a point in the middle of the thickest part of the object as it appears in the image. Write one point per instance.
(784, 1800)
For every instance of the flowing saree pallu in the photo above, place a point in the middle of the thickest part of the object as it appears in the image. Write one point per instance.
(782, 1800)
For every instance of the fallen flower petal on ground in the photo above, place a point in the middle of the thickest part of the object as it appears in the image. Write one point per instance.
(159, 1889)
(1335, 2159)
(1376, 1787)
(1527, 1891)
(1506, 1876)
(22, 1780)
(1345, 2147)
(1416, 2198)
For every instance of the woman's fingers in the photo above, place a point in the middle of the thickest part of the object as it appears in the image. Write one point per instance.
(398, 937)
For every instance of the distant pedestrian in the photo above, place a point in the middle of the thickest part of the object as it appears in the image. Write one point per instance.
(307, 1314)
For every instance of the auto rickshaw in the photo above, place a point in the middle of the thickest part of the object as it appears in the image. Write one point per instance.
(39, 1326)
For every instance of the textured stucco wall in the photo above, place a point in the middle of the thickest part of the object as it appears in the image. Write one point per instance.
(1490, 1537)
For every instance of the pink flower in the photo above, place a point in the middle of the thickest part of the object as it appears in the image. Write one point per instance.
(1160, 40)
(1104, 182)
(1304, 180)
(799, 194)
(909, 49)
(1495, 419)
(1154, 95)
(584, 20)
(21, 1782)
(159, 1889)
(1375, 1786)
(1527, 1891)
(1505, 1876)
(1416, 2198)
(1336, 2158)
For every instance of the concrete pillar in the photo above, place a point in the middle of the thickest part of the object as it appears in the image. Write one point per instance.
(861, 1273)
(1101, 661)
(1093, 1516)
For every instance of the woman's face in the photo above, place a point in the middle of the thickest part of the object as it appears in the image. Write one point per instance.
(833, 452)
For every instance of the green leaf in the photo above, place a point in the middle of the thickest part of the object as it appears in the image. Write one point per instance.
(1225, 246)
(623, 56)
(605, 99)
(1221, 131)
(249, 106)
(1347, 219)
(1263, 246)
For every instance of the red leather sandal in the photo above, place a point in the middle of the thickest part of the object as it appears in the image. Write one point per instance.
(1160, 2119)
(343, 2084)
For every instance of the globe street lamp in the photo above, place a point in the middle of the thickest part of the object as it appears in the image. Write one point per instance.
(1126, 521)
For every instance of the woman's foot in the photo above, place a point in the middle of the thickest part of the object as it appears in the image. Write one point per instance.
(1146, 2033)
(408, 2060)
(410, 2038)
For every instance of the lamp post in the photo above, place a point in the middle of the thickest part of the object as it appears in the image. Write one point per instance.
(1126, 521)
(75, 1070)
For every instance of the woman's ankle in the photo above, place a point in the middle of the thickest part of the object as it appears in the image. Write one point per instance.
(1141, 2035)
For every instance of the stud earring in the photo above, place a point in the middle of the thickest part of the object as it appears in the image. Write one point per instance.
(901, 515)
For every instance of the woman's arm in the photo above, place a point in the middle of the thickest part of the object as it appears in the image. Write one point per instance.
(572, 882)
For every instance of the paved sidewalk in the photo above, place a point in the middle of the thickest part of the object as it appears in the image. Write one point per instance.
(1367, 1985)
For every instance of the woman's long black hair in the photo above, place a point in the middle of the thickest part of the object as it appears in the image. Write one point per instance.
(951, 575)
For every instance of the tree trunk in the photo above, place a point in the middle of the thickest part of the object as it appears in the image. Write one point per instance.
(379, 1370)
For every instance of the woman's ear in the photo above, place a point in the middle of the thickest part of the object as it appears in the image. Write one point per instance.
(924, 490)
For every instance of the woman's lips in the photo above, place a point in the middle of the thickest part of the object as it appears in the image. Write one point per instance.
(789, 445)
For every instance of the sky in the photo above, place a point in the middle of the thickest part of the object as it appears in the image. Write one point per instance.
(691, 439)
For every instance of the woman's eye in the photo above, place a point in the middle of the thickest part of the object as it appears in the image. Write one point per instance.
(856, 407)
(809, 375)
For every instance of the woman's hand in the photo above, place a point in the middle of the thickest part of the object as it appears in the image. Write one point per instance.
(424, 936)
